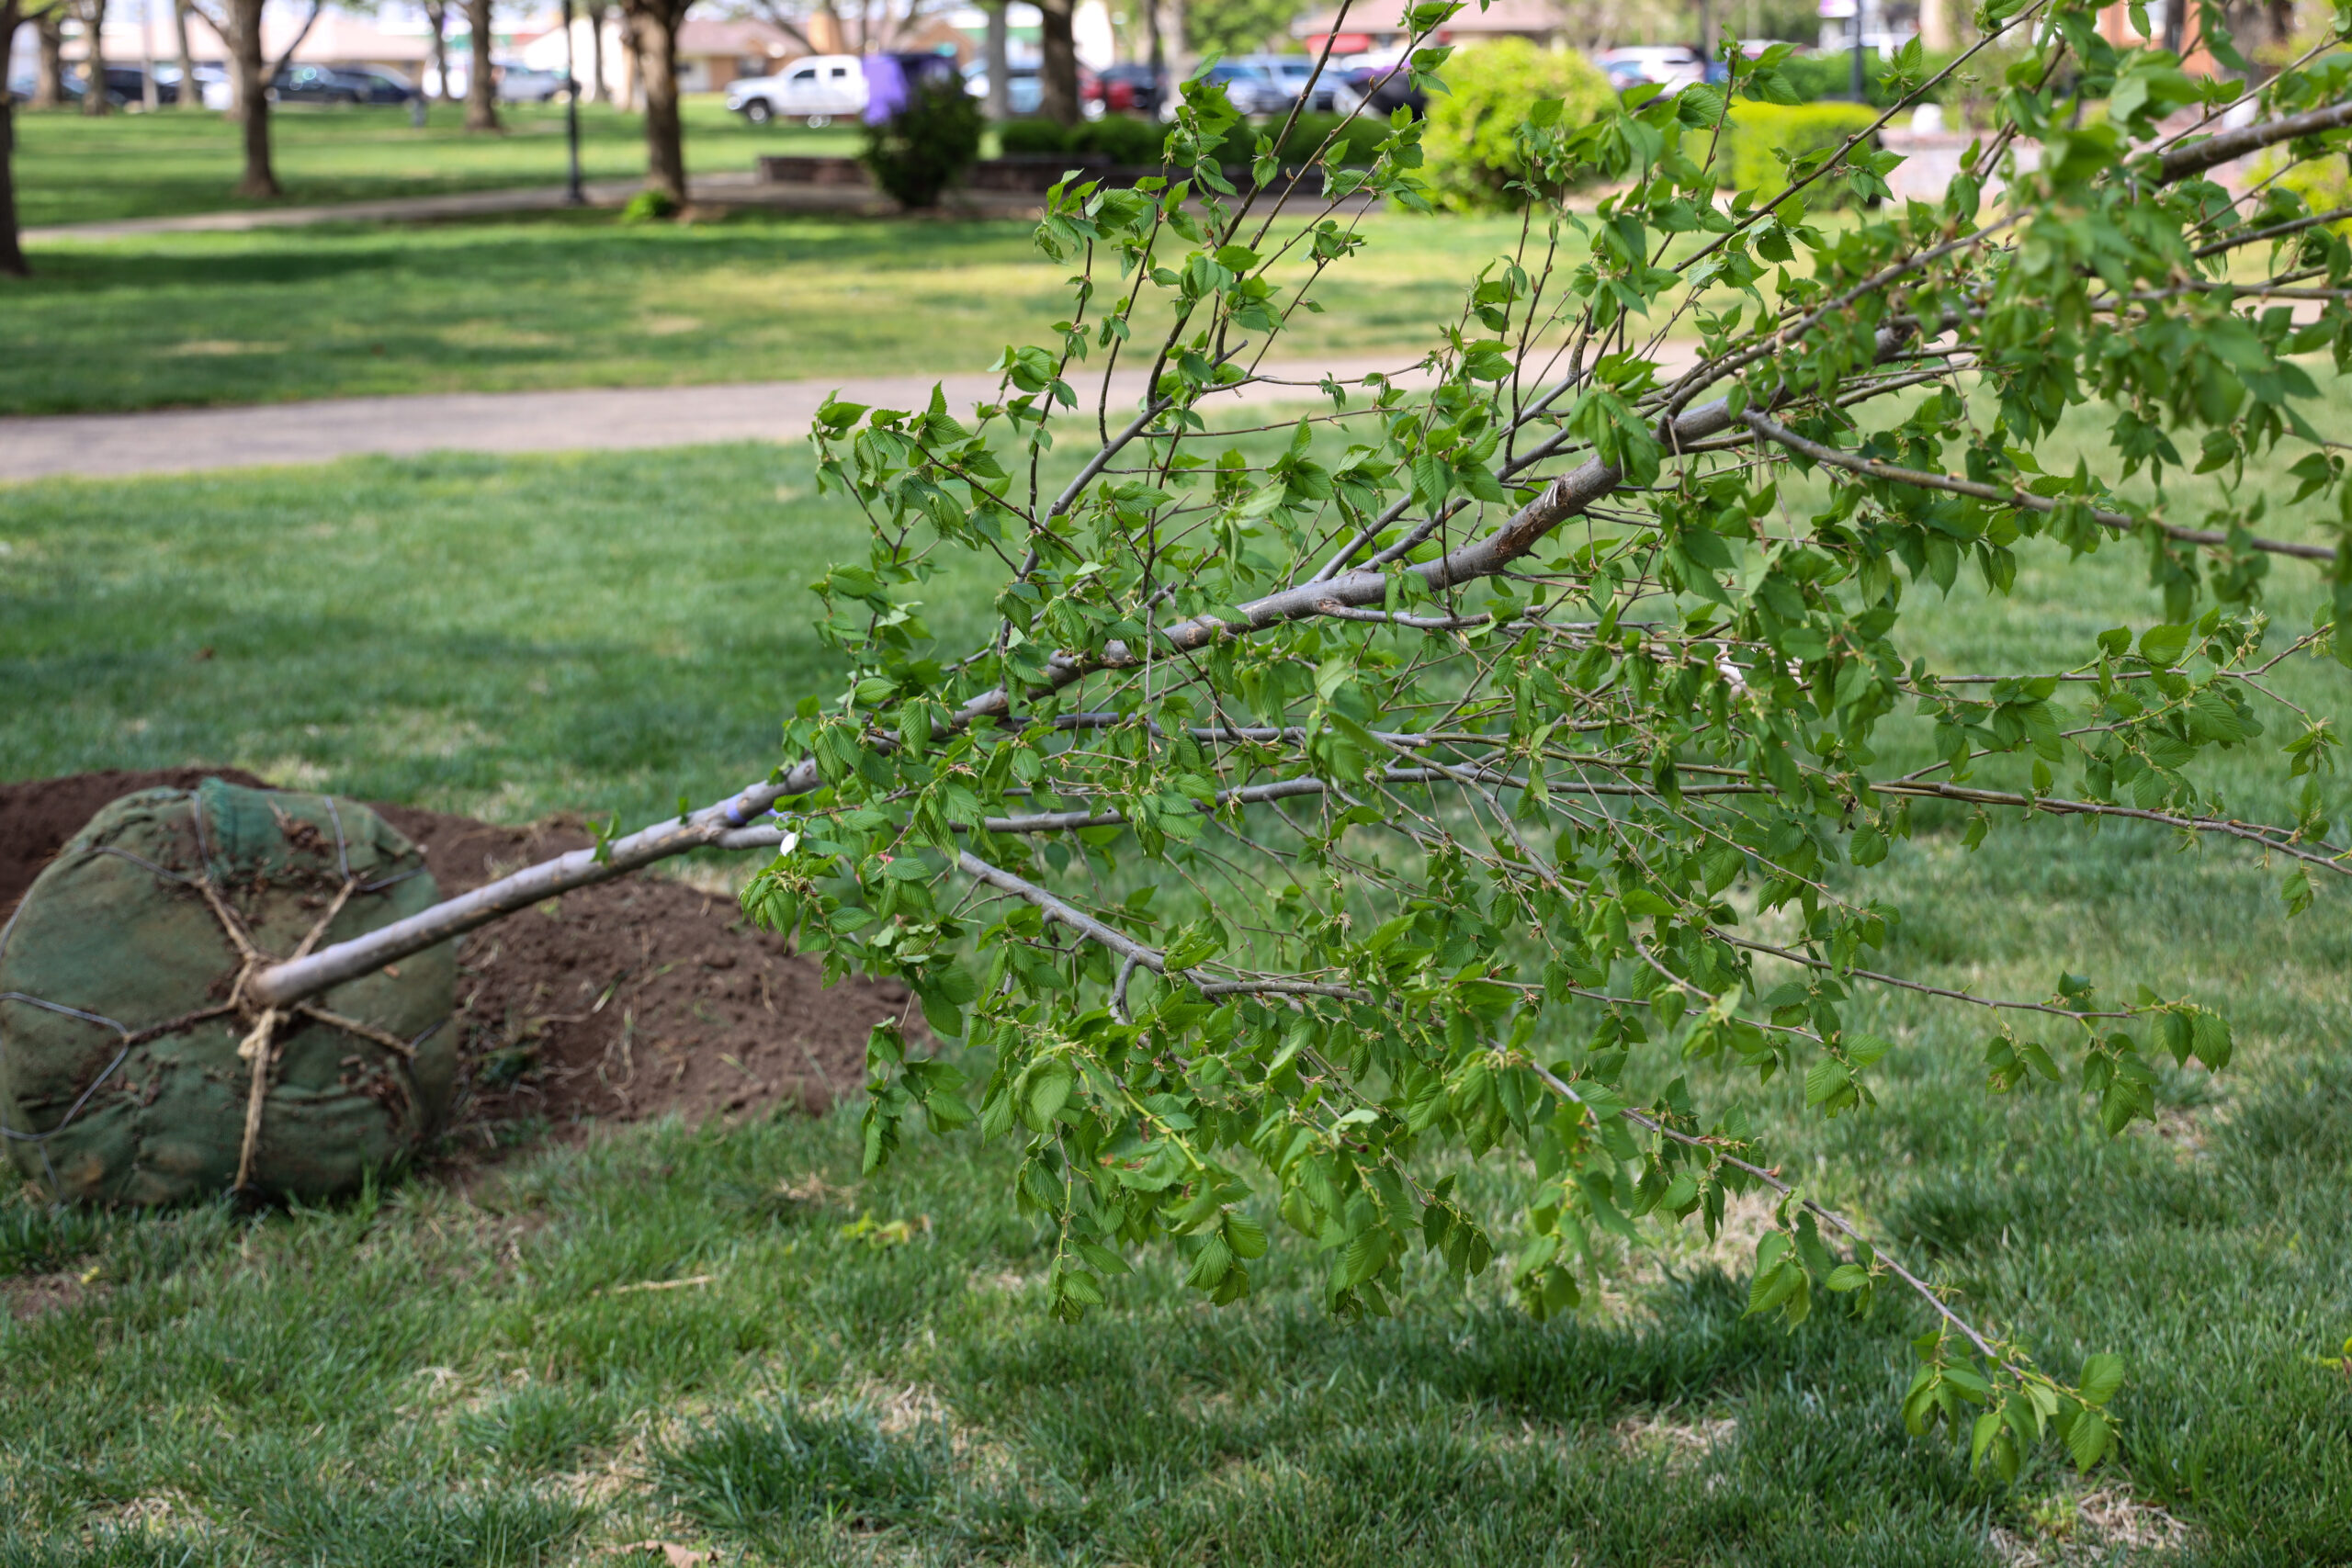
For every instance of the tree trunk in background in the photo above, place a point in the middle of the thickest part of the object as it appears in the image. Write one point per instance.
(48, 81)
(1000, 62)
(599, 91)
(436, 16)
(189, 97)
(249, 71)
(12, 253)
(653, 34)
(1935, 26)
(1178, 27)
(94, 57)
(482, 88)
(1058, 76)
(1706, 29)
(1156, 56)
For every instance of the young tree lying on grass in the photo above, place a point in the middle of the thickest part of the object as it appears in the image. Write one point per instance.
(1445, 781)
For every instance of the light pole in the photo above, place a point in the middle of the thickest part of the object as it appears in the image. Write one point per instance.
(574, 194)
(1862, 84)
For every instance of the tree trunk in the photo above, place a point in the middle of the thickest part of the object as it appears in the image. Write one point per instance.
(12, 253)
(189, 98)
(48, 83)
(599, 92)
(1000, 62)
(249, 71)
(655, 30)
(481, 89)
(1707, 30)
(436, 16)
(1156, 55)
(1935, 26)
(1057, 74)
(93, 60)
(632, 67)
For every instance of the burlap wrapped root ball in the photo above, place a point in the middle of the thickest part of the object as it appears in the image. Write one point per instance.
(122, 1011)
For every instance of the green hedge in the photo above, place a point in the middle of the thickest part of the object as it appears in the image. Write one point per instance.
(1129, 140)
(1471, 147)
(1020, 138)
(1746, 160)
(1830, 77)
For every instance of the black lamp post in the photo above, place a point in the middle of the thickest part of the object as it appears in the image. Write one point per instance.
(574, 194)
(1861, 82)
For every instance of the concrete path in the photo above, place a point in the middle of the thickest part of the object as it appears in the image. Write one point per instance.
(726, 190)
(592, 419)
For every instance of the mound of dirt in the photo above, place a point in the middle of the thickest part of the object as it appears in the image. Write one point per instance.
(37, 818)
(621, 1002)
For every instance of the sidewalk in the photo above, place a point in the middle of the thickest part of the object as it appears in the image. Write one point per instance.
(594, 419)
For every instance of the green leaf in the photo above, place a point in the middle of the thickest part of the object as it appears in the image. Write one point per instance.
(2102, 1375)
(1824, 1078)
(2163, 645)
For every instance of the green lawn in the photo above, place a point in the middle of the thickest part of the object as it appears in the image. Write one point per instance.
(579, 299)
(435, 1378)
(70, 169)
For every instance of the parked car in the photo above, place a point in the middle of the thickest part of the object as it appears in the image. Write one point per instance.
(529, 84)
(1024, 87)
(1671, 66)
(1380, 87)
(1294, 72)
(331, 85)
(819, 89)
(1251, 85)
(1131, 89)
(126, 87)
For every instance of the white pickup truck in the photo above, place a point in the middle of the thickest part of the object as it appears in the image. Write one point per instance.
(819, 89)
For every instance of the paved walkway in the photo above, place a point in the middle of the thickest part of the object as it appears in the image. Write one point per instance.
(595, 419)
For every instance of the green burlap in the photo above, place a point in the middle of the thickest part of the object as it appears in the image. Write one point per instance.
(118, 928)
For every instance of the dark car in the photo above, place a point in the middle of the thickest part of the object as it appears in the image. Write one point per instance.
(326, 84)
(1250, 86)
(126, 85)
(1382, 90)
(376, 87)
(1130, 89)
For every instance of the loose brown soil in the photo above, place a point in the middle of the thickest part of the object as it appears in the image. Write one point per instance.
(622, 1002)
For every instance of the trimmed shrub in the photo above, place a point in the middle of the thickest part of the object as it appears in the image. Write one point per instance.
(1360, 143)
(1746, 161)
(1471, 147)
(1031, 138)
(1826, 78)
(649, 207)
(1122, 138)
(927, 145)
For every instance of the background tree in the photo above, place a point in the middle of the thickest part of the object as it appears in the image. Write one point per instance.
(437, 20)
(14, 14)
(997, 57)
(1236, 27)
(238, 24)
(187, 97)
(92, 17)
(653, 41)
(482, 76)
(599, 90)
(875, 26)
(1058, 97)
(48, 71)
